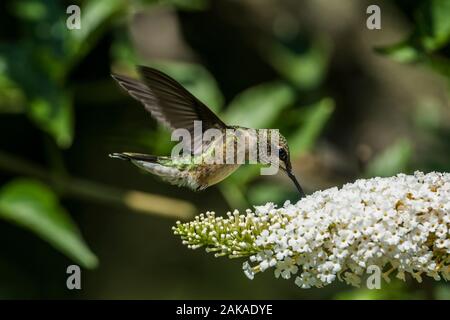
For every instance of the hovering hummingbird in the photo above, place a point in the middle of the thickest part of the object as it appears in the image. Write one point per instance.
(175, 107)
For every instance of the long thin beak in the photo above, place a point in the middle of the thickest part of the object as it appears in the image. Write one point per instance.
(294, 179)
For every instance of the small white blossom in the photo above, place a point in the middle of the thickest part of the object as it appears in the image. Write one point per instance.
(399, 223)
(248, 271)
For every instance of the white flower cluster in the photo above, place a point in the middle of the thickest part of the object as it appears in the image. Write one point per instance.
(399, 224)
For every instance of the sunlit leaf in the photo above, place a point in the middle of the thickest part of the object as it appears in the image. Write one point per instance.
(394, 159)
(46, 103)
(434, 23)
(54, 115)
(431, 33)
(123, 54)
(263, 192)
(258, 107)
(312, 123)
(157, 140)
(32, 205)
(12, 98)
(33, 10)
(245, 174)
(428, 115)
(406, 52)
(233, 195)
(306, 70)
(402, 52)
(95, 15)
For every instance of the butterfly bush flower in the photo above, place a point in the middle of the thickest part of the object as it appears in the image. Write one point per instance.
(400, 224)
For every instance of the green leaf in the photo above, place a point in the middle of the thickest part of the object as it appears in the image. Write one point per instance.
(431, 33)
(39, 63)
(196, 79)
(32, 205)
(54, 115)
(123, 53)
(261, 193)
(428, 115)
(406, 52)
(11, 96)
(402, 52)
(95, 15)
(394, 159)
(233, 195)
(33, 10)
(156, 139)
(306, 69)
(434, 24)
(245, 174)
(258, 107)
(315, 118)
(47, 104)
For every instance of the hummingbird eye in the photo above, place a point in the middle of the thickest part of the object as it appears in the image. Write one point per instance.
(282, 154)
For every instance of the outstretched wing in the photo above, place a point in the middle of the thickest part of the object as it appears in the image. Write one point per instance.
(168, 102)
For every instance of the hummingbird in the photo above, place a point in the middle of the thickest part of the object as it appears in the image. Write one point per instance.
(175, 107)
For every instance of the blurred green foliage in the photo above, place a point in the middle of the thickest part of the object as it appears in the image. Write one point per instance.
(250, 76)
(34, 206)
(431, 34)
(305, 69)
(394, 159)
(395, 290)
(268, 99)
(34, 71)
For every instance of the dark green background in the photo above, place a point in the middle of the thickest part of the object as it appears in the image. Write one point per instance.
(352, 102)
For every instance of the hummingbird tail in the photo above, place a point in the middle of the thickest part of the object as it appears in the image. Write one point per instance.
(159, 166)
(134, 156)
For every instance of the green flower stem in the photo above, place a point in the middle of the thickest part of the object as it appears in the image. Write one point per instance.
(233, 236)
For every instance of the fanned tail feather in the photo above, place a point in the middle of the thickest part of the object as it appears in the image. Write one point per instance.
(158, 166)
(134, 156)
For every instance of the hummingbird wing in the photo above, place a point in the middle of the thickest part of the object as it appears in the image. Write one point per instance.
(169, 103)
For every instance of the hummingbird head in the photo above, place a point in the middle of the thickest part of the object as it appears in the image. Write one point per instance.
(285, 162)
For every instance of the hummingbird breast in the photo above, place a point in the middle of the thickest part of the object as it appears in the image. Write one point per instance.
(211, 172)
(208, 175)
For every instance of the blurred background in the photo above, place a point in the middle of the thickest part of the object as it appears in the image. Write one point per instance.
(352, 102)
